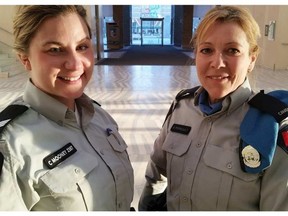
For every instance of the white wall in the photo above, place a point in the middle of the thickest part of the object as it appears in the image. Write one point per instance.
(6, 23)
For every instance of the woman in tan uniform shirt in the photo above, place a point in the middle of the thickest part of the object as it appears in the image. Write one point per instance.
(64, 153)
(197, 153)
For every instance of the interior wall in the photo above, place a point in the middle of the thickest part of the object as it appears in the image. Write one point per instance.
(273, 53)
(6, 28)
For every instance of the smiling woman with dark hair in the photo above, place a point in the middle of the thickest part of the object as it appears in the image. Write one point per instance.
(59, 149)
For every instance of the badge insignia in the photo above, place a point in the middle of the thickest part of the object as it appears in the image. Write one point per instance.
(183, 129)
(59, 156)
(251, 157)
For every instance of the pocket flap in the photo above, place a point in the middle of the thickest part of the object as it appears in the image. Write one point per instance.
(227, 161)
(65, 176)
(116, 141)
(176, 144)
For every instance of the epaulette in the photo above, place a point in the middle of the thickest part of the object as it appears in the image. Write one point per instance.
(1, 162)
(262, 129)
(185, 93)
(6, 116)
(96, 103)
(271, 103)
(10, 113)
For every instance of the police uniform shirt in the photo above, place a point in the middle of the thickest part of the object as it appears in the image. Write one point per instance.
(52, 163)
(203, 167)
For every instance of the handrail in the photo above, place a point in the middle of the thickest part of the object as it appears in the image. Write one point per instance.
(7, 35)
(5, 30)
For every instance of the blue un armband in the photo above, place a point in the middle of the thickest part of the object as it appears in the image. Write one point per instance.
(259, 130)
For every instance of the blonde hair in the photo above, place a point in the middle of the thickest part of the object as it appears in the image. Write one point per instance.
(224, 14)
(29, 18)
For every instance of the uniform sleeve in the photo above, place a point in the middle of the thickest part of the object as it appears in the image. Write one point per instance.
(10, 193)
(153, 197)
(274, 189)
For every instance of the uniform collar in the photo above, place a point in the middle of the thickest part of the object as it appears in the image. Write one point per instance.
(55, 110)
(234, 99)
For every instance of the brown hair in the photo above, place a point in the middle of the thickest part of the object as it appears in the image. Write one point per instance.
(222, 14)
(29, 18)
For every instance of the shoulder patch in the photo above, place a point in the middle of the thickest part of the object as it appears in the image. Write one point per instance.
(1, 162)
(259, 130)
(10, 113)
(283, 139)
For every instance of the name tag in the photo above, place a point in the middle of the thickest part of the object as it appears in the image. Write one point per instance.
(59, 156)
(183, 129)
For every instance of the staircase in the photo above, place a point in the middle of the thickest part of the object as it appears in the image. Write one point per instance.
(10, 65)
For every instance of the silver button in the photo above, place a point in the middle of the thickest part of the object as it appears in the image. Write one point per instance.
(198, 145)
(185, 198)
(189, 171)
(77, 171)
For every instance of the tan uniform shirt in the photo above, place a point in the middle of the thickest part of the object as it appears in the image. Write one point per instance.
(203, 168)
(98, 176)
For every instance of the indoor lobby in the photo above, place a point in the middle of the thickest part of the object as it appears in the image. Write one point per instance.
(139, 103)
(139, 96)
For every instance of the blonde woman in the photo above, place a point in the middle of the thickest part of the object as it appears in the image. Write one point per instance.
(197, 155)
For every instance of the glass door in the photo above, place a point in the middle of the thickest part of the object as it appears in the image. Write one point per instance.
(156, 31)
(152, 31)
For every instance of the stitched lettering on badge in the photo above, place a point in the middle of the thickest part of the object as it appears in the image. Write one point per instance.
(59, 156)
(183, 129)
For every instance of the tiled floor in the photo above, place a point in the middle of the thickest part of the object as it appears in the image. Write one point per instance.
(138, 97)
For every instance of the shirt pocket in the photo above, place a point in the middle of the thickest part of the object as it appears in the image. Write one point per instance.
(66, 182)
(116, 141)
(227, 161)
(220, 183)
(176, 144)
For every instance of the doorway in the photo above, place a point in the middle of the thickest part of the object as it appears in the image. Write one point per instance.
(156, 30)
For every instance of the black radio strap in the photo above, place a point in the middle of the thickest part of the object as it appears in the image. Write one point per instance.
(269, 104)
(10, 113)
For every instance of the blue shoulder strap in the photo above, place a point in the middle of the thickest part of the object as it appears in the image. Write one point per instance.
(7, 115)
(260, 130)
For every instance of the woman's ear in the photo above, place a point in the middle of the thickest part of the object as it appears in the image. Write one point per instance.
(25, 61)
(252, 63)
